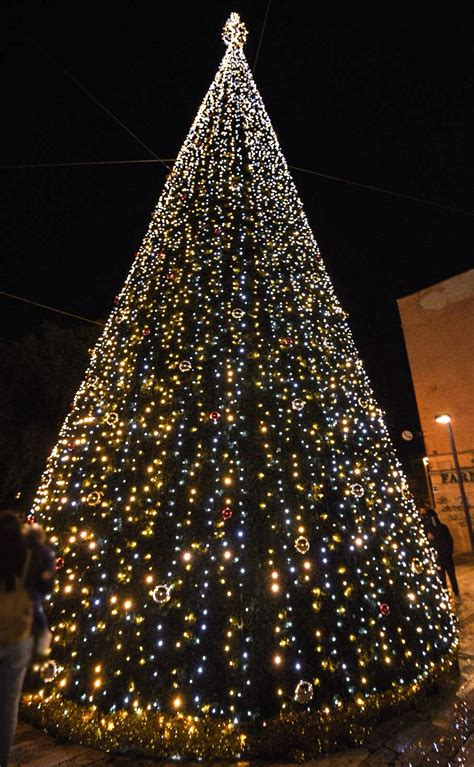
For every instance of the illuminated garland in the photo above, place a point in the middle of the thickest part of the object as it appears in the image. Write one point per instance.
(239, 543)
(298, 736)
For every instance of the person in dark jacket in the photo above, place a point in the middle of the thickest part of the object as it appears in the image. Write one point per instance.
(20, 573)
(43, 561)
(442, 542)
(428, 514)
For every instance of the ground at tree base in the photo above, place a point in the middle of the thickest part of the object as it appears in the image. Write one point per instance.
(437, 733)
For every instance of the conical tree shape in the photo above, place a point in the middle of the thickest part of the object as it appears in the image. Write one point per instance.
(237, 536)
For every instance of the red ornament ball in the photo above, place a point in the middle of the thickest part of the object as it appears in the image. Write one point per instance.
(146, 330)
(59, 563)
(30, 520)
(214, 416)
(217, 230)
(71, 446)
(287, 341)
(226, 513)
(170, 276)
(384, 609)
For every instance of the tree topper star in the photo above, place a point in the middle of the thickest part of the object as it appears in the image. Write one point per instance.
(235, 32)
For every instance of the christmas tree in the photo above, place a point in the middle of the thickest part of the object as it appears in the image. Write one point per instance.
(242, 568)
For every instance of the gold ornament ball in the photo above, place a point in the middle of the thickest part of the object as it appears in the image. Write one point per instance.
(303, 692)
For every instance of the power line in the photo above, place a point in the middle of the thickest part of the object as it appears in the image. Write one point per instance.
(50, 308)
(261, 36)
(384, 191)
(78, 164)
(99, 103)
(341, 180)
(417, 200)
(164, 162)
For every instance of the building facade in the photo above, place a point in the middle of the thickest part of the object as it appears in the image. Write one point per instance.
(438, 325)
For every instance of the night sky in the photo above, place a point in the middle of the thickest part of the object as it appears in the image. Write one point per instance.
(385, 100)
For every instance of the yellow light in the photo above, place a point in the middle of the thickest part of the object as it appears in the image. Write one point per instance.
(443, 418)
(177, 703)
(187, 556)
(97, 682)
(127, 604)
(277, 660)
(275, 588)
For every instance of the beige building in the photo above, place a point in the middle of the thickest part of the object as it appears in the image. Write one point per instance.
(438, 325)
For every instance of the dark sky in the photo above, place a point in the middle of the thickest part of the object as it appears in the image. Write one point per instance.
(384, 98)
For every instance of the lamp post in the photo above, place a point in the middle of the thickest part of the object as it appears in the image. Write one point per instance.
(446, 419)
(426, 463)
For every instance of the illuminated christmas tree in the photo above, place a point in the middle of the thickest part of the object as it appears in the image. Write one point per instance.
(242, 566)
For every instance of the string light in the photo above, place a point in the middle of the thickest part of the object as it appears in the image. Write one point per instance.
(225, 445)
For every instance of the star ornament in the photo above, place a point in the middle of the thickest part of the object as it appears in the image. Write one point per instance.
(234, 33)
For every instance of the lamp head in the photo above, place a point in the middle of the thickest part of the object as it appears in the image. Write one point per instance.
(443, 418)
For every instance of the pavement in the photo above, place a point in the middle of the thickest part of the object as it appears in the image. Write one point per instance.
(439, 732)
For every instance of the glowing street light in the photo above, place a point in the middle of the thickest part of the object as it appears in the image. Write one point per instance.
(445, 419)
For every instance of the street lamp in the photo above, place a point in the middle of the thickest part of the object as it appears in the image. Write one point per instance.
(446, 419)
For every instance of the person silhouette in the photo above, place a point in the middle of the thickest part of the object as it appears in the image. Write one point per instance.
(21, 578)
(441, 540)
